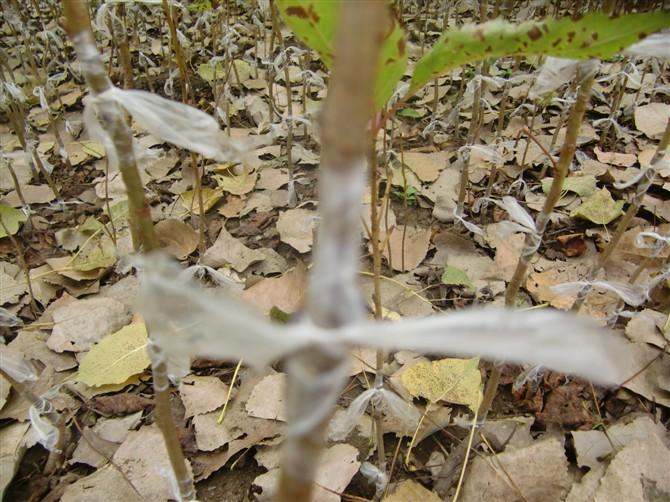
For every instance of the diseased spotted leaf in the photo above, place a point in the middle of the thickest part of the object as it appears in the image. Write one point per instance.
(314, 22)
(594, 35)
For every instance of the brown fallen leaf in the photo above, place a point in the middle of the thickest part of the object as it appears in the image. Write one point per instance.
(652, 119)
(32, 194)
(267, 398)
(337, 465)
(408, 247)
(227, 250)
(426, 166)
(98, 486)
(285, 292)
(82, 323)
(573, 244)
(201, 394)
(538, 473)
(143, 458)
(121, 404)
(638, 472)
(178, 238)
(296, 228)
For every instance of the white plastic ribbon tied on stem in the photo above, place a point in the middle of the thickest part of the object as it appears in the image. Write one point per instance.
(168, 120)
(186, 319)
(520, 221)
(633, 294)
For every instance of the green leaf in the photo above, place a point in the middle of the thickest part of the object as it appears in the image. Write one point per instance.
(314, 23)
(116, 358)
(581, 185)
(594, 35)
(453, 276)
(207, 72)
(94, 259)
(600, 208)
(12, 219)
(411, 113)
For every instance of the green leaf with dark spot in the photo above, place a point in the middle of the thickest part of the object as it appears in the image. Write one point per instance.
(594, 35)
(314, 23)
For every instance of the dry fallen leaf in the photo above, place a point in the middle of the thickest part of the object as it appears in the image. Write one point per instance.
(594, 446)
(410, 490)
(409, 246)
(78, 325)
(202, 394)
(117, 357)
(652, 119)
(285, 292)
(210, 435)
(267, 398)
(296, 228)
(426, 166)
(143, 458)
(12, 449)
(178, 238)
(638, 472)
(229, 251)
(451, 380)
(599, 208)
(337, 466)
(98, 486)
(539, 472)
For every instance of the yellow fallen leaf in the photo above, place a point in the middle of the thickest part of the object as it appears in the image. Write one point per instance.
(237, 184)
(116, 358)
(452, 380)
(210, 196)
(411, 490)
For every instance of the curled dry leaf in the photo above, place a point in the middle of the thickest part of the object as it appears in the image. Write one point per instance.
(177, 237)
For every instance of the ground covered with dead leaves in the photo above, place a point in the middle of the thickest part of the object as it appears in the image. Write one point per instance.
(64, 213)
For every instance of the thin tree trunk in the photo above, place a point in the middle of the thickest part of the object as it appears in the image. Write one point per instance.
(316, 375)
(79, 30)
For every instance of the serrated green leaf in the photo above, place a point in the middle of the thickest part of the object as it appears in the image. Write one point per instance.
(594, 35)
(581, 185)
(12, 219)
(314, 22)
(453, 276)
(116, 358)
(452, 380)
(599, 208)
